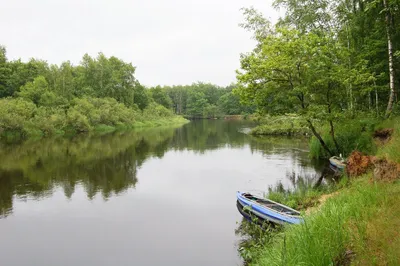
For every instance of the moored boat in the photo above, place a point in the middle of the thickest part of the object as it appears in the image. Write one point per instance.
(337, 162)
(267, 210)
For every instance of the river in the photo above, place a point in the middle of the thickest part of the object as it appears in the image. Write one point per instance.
(163, 196)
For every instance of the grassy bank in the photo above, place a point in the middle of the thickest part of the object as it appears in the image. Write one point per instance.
(176, 120)
(304, 197)
(340, 228)
(289, 125)
(357, 226)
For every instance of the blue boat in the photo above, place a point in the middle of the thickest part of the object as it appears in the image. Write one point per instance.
(337, 162)
(267, 210)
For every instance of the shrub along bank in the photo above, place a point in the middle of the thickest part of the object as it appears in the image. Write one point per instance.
(21, 117)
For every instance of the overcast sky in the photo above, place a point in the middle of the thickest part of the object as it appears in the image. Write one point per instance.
(169, 41)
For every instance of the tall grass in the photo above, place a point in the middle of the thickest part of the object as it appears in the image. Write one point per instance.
(351, 135)
(327, 235)
(391, 150)
(304, 195)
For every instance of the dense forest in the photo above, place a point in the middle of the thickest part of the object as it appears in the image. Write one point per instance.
(201, 100)
(100, 94)
(333, 63)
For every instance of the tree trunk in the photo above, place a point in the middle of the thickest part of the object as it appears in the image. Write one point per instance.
(318, 136)
(369, 101)
(376, 100)
(332, 131)
(392, 96)
(333, 136)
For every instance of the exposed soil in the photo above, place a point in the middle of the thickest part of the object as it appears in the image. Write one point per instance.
(345, 259)
(386, 170)
(383, 169)
(383, 136)
(358, 164)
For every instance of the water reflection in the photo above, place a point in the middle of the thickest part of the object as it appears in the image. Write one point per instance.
(109, 164)
(190, 173)
(103, 164)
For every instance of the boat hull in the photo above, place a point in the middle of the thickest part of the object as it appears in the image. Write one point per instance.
(265, 213)
(337, 163)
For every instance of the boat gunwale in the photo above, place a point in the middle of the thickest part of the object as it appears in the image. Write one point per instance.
(263, 216)
(274, 202)
(270, 213)
(337, 162)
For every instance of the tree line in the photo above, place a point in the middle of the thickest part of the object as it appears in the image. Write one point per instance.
(328, 61)
(100, 93)
(201, 100)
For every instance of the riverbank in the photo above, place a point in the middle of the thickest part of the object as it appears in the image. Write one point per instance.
(224, 117)
(288, 125)
(356, 225)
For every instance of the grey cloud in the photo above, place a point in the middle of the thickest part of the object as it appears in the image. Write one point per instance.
(170, 42)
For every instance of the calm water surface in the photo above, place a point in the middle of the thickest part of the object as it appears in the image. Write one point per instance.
(155, 197)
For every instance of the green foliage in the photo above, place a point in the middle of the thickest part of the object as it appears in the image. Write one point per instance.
(141, 98)
(323, 60)
(77, 121)
(351, 135)
(161, 97)
(47, 121)
(204, 100)
(14, 113)
(34, 90)
(211, 111)
(230, 104)
(156, 111)
(391, 150)
(196, 104)
(291, 125)
(100, 94)
(4, 73)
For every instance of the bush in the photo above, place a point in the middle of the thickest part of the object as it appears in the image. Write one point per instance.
(14, 114)
(103, 111)
(21, 117)
(47, 120)
(78, 121)
(155, 111)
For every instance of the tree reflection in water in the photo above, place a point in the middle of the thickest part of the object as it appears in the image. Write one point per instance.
(108, 164)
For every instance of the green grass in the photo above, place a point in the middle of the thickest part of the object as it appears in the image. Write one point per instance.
(355, 134)
(391, 150)
(288, 125)
(104, 128)
(338, 227)
(177, 120)
(305, 195)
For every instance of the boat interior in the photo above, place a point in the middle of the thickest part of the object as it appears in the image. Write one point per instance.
(272, 205)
